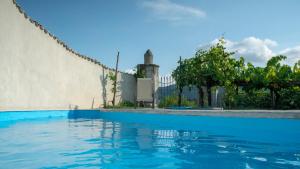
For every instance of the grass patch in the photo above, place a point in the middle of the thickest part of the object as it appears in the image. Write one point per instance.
(172, 100)
(123, 104)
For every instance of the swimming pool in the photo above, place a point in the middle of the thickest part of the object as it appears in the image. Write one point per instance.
(93, 139)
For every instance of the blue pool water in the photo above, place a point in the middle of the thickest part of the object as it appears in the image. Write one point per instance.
(90, 139)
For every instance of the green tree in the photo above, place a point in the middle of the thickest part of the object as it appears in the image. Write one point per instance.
(239, 73)
(113, 79)
(216, 66)
(212, 67)
(277, 76)
(138, 72)
(254, 78)
(182, 77)
(196, 74)
(296, 72)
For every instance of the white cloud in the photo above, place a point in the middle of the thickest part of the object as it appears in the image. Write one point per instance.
(170, 11)
(258, 51)
(253, 49)
(130, 71)
(293, 54)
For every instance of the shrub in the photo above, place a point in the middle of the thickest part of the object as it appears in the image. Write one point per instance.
(289, 98)
(261, 99)
(126, 104)
(122, 104)
(250, 100)
(172, 100)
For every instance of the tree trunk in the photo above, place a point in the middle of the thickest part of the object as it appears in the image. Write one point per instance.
(272, 98)
(208, 88)
(276, 98)
(201, 96)
(115, 82)
(179, 97)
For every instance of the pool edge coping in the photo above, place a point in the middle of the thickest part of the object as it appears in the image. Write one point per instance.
(287, 114)
(284, 114)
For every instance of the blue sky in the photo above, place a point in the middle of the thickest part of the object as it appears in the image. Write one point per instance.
(255, 29)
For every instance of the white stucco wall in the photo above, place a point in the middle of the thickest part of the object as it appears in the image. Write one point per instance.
(38, 72)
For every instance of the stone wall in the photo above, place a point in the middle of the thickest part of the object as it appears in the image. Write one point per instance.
(38, 71)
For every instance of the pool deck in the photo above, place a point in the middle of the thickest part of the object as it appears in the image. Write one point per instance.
(289, 114)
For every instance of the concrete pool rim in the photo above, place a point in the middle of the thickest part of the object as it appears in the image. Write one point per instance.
(279, 114)
(286, 114)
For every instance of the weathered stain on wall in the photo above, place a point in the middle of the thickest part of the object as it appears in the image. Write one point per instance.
(38, 71)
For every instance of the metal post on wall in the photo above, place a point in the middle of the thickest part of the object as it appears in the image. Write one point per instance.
(165, 92)
(115, 80)
(168, 86)
(153, 89)
(180, 85)
(161, 89)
